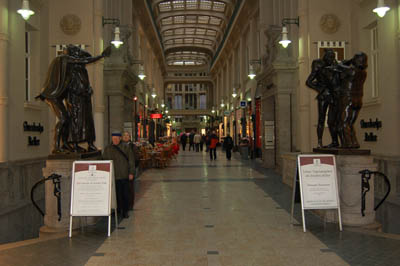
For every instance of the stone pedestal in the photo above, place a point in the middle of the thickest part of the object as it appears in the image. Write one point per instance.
(349, 185)
(349, 182)
(57, 165)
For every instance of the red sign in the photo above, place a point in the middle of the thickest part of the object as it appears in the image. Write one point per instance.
(155, 116)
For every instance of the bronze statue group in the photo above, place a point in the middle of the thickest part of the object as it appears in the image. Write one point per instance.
(68, 92)
(340, 90)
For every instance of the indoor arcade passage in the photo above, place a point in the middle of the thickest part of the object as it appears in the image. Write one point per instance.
(201, 212)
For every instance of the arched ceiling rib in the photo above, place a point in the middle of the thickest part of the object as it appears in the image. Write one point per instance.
(191, 26)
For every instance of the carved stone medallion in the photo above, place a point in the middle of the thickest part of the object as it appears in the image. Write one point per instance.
(70, 24)
(329, 23)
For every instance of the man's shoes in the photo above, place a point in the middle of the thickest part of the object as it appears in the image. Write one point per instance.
(125, 215)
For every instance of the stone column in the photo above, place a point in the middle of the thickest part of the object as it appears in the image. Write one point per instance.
(99, 108)
(4, 9)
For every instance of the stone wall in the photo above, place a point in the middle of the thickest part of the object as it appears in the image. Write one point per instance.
(19, 219)
(388, 213)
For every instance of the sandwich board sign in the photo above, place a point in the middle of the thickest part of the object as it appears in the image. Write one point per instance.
(317, 177)
(93, 191)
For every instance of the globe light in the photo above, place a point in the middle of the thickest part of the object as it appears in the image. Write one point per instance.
(117, 41)
(25, 11)
(381, 9)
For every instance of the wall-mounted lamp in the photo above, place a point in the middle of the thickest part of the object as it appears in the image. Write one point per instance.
(166, 111)
(248, 99)
(153, 93)
(135, 98)
(114, 21)
(252, 71)
(162, 104)
(381, 8)
(213, 110)
(222, 103)
(141, 74)
(234, 94)
(285, 40)
(25, 11)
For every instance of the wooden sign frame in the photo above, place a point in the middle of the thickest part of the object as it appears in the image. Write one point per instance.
(93, 191)
(317, 178)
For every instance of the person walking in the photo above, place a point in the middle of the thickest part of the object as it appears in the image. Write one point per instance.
(124, 166)
(213, 146)
(191, 140)
(197, 140)
(228, 145)
(202, 141)
(184, 141)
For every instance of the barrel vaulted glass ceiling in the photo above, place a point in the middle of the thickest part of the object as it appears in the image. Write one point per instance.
(191, 30)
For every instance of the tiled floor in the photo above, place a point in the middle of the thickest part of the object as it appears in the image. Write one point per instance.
(201, 212)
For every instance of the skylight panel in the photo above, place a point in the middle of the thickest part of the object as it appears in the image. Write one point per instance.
(179, 19)
(191, 4)
(211, 33)
(198, 41)
(190, 31)
(208, 42)
(168, 33)
(166, 21)
(188, 41)
(203, 19)
(178, 4)
(178, 41)
(179, 31)
(191, 19)
(219, 6)
(200, 31)
(215, 21)
(164, 6)
(205, 5)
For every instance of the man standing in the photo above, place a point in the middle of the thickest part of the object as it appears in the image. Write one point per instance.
(126, 142)
(124, 167)
(228, 145)
(213, 145)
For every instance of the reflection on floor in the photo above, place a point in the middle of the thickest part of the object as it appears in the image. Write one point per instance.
(202, 212)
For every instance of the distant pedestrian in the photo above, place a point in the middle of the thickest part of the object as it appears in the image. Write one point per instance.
(228, 145)
(184, 141)
(213, 146)
(202, 141)
(191, 140)
(197, 140)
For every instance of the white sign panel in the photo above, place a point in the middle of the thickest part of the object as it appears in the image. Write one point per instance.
(269, 132)
(318, 184)
(93, 191)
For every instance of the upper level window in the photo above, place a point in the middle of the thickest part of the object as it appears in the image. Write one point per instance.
(375, 61)
(27, 66)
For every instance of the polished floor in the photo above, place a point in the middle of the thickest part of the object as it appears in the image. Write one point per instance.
(215, 213)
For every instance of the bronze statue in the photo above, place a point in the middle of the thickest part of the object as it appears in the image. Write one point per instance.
(353, 75)
(323, 80)
(68, 92)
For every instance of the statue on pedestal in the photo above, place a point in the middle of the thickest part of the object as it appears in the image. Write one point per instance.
(340, 88)
(68, 92)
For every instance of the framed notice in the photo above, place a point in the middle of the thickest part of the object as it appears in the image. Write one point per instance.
(269, 132)
(93, 190)
(317, 178)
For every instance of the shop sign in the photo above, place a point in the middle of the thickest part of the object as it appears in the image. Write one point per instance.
(156, 116)
(243, 104)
